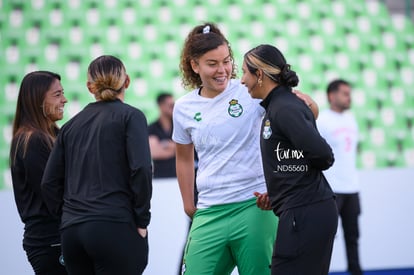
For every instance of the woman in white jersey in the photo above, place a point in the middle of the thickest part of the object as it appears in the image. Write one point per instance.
(222, 122)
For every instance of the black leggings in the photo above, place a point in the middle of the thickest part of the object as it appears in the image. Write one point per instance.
(305, 239)
(349, 210)
(104, 248)
(45, 260)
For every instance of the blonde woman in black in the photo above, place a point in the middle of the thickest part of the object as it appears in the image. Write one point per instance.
(40, 104)
(294, 155)
(98, 178)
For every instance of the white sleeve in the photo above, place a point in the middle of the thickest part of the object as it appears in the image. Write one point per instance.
(180, 134)
(321, 124)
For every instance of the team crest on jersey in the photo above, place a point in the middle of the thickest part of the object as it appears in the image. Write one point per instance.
(267, 131)
(235, 109)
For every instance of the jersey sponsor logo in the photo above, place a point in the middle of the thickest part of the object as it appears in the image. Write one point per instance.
(267, 130)
(197, 116)
(282, 153)
(235, 109)
(289, 154)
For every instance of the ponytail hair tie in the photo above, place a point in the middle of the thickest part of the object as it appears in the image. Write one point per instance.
(106, 87)
(206, 29)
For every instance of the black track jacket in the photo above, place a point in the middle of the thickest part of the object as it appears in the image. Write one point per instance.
(40, 227)
(100, 167)
(293, 152)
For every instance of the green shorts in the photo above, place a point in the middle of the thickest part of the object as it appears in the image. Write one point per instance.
(224, 236)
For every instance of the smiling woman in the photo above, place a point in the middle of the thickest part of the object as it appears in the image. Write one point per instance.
(39, 105)
(213, 119)
(294, 155)
(214, 67)
(221, 122)
(54, 101)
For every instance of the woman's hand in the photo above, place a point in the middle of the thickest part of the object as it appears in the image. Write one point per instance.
(308, 101)
(190, 211)
(262, 201)
(142, 231)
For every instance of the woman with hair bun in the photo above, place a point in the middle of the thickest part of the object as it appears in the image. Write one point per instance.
(221, 122)
(294, 155)
(98, 179)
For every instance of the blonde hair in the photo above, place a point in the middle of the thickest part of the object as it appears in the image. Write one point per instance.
(271, 61)
(255, 61)
(106, 77)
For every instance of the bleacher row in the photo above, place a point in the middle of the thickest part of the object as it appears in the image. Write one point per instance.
(321, 39)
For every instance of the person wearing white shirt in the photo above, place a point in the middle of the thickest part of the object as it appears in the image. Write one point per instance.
(340, 129)
(220, 120)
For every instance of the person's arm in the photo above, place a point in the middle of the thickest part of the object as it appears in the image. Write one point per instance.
(300, 129)
(139, 161)
(262, 200)
(185, 176)
(161, 149)
(35, 161)
(54, 178)
(309, 102)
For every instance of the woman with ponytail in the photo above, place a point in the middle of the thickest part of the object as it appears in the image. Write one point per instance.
(221, 122)
(294, 155)
(98, 179)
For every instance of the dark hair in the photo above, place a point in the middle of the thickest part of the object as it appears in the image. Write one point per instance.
(106, 77)
(269, 59)
(30, 116)
(200, 40)
(333, 86)
(162, 96)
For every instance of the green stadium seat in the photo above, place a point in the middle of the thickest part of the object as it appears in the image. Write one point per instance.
(321, 39)
(77, 91)
(368, 159)
(5, 180)
(408, 149)
(76, 6)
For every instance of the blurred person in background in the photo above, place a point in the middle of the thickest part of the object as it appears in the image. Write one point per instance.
(98, 179)
(40, 104)
(340, 129)
(160, 134)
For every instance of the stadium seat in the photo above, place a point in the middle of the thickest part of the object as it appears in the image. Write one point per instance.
(321, 39)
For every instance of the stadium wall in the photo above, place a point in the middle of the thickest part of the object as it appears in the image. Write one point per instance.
(386, 226)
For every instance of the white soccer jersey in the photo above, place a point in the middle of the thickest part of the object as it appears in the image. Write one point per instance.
(225, 132)
(340, 130)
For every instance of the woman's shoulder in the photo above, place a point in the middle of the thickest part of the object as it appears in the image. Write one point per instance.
(188, 97)
(130, 110)
(36, 137)
(35, 140)
(188, 100)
